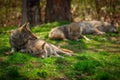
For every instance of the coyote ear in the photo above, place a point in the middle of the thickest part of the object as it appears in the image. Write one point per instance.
(43, 45)
(28, 26)
(19, 25)
(25, 27)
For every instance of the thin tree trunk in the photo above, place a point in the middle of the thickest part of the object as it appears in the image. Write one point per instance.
(31, 12)
(97, 3)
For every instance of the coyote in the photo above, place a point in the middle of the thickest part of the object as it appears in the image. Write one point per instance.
(71, 31)
(76, 30)
(23, 40)
(19, 37)
(98, 27)
(60, 32)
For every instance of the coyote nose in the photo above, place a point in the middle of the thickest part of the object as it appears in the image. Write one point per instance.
(115, 31)
(33, 37)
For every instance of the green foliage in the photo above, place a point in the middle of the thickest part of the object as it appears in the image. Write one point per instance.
(43, 74)
(10, 73)
(98, 59)
(84, 66)
(18, 58)
(102, 76)
(9, 12)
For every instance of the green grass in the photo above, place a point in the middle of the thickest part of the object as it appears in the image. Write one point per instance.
(98, 59)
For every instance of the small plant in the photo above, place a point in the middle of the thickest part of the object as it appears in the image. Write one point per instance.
(18, 58)
(82, 57)
(43, 73)
(10, 73)
(103, 53)
(100, 38)
(102, 76)
(84, 67)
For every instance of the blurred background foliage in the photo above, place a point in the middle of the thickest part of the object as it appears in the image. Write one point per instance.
(96, 9)
(107, 10)
(10, 12)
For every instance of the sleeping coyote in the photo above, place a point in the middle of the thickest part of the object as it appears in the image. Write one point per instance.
(76, 30)
(23, 40)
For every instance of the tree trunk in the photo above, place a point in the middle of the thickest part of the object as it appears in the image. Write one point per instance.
(58, 10)
(97, 4)
(31, 12)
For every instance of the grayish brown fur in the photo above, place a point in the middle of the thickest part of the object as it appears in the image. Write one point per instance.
(23, 40)
(76, 30)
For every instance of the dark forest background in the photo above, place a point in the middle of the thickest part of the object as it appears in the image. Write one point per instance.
(41, 11)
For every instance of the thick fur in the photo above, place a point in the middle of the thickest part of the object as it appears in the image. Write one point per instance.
(71, 31)
(98, 27)
(60, 32)
(23, 40)
(19, 37)
(44, 49)
(76, 30)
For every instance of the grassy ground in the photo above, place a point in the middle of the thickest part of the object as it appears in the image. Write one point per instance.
(98, 59)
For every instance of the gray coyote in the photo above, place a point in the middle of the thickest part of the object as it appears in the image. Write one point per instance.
(23, 40)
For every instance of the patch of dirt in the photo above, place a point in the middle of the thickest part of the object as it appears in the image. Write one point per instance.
(3, 58)
(60, 78)
(114, 38)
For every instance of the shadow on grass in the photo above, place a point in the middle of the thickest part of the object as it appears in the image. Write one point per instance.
(11, 72)
(8, 70)
(106, 43)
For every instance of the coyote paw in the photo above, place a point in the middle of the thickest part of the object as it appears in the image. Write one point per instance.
(87, 39)
(101, 33)
(42, 56)
(59, 56)
(65, 39)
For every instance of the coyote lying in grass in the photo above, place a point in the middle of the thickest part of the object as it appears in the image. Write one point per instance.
(76, 30)
(71, 31)
(23, 40)
(98, 27)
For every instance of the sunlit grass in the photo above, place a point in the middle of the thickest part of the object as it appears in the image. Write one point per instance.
(97, 59)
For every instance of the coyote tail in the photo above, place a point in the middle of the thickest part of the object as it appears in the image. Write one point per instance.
(66, 50)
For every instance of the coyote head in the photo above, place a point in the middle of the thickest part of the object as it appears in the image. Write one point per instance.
(113, 27)
(74, 31)
(24, 33)
(19, 37)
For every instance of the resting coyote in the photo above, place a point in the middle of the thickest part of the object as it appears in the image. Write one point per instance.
(76, 30)
(98, 27)
(71, 31)
(60, 32)
(23, 40)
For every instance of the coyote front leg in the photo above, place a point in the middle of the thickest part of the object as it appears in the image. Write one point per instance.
(84, 37)
(98, 32)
